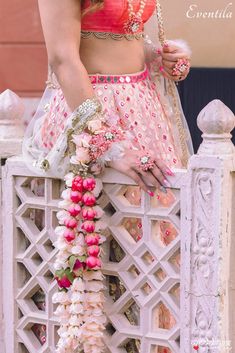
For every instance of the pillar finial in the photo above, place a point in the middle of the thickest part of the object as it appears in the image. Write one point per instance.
(216, 121)
(11, 124)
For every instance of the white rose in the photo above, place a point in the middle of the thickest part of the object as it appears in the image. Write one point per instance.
(65, 204)
(99, 211)
(60, 230)
(94, 286)
(94, 125)
(60, 297)
(62, 215)
(66, 195)
(78, 250)
(82, 140)
(68, 179)
(78, 285)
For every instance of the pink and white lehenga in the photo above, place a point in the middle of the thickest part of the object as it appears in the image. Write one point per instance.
(147, 106)
(135, 101)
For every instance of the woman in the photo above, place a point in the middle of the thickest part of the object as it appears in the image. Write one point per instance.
(75, 49)
(107, 79)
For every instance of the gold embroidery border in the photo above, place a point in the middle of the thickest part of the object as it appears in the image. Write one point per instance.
(172, 92)
(115, 36)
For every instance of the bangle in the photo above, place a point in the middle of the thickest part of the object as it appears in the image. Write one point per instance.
(84, 113)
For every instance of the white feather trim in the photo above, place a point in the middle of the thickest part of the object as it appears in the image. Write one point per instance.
(181, 44)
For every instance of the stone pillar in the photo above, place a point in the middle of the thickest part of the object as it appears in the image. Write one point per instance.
(11, 133)
(11, 127)
(208, 238)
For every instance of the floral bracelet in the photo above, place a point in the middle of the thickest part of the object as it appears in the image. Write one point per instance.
(91, 142)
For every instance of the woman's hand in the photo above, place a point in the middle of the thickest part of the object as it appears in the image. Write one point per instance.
(128, 165)
(170, 54)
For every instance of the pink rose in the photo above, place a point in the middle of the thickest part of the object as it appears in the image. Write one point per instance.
(98, 262)
(93, 262)
(89, 184)
(63, 282)
(88, 213)
(74, 210)
(70, 223)
(76, 196)
(88, 199)
(77, 184)
(69, 235)
(78, 265)
(92, 239)
(93, 250)
(88, 226)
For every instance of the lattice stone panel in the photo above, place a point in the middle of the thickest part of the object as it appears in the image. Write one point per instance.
(143, 277)
(35, 217)
(141, 263)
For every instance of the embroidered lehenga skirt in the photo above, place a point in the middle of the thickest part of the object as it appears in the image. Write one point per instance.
(133, 101)
(138, 103)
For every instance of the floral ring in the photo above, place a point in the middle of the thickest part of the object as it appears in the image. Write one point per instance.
(145, 162)
(181, 67)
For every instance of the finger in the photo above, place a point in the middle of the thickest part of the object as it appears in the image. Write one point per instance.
(168, 64)
(164, 72)
(168, 74)
(175, 56)
(150, 178)
(158, 174)
(175, 78)
(136, 177)
(181, 78)
(165, 170)
(171, 48)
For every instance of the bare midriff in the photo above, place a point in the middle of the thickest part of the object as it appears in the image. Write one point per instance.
(109, 56)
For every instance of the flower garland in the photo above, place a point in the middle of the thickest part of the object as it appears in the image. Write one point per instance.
(79, 237)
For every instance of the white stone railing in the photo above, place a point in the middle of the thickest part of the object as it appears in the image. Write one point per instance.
(207, 237)
(146, 307)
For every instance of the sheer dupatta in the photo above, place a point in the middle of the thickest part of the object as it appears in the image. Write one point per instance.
(167, 89)
(50, 161)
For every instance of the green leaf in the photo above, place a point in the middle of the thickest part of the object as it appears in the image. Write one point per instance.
(72, 261)
(69, 275)
(82, 258)
(59, 273)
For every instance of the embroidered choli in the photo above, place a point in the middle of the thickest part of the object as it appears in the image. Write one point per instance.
(110, 20)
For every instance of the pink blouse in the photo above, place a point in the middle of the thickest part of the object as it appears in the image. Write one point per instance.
(114, 14)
